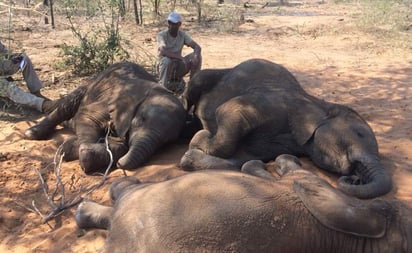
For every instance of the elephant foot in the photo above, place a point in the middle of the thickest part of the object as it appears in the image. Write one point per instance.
(121, 185)
(93, 157)
(201, 140)
(287, 163)
(257, 168)
(195, 159)
(71, 149)
(92, 215)
(38, 132)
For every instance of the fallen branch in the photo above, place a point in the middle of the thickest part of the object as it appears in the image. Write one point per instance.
(59, 207)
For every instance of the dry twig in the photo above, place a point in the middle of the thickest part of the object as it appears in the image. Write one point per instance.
(59, 206)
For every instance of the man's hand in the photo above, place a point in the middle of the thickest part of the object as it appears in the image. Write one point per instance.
(16, 58)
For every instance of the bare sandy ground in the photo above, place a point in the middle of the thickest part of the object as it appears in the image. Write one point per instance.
(320, 43)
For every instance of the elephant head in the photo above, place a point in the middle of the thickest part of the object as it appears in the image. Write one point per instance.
(339, 140)
(147, 118)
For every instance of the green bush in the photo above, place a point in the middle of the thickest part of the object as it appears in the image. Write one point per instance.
(98, 47)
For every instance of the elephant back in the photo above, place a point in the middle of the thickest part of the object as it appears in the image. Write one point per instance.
(111, 81)
(258, 75)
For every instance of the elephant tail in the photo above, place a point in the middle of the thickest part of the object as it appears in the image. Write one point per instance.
(374, 180)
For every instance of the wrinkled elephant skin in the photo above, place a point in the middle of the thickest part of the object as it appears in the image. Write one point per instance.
(258, 110)
(229, 211)
(140, 115)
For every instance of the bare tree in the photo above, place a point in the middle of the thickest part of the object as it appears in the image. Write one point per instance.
(49, 3)
(138, 12)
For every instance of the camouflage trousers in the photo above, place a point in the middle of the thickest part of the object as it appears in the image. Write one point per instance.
(17, 95)
(8, 68)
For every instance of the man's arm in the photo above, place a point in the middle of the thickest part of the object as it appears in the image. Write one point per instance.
(162, 50)
(196, 51)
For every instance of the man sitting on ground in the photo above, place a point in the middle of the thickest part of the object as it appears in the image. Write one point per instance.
(172, 65)
(11, 64)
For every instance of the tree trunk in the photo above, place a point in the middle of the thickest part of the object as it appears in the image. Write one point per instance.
(46, 18)
(138, 12)
(51, 13)
(199, 10)
(122, 8)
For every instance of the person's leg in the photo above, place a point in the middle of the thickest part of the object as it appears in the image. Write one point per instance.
(177, 84)
(17, 95)
(30, 76)
(181, 68)
(9, 67)
(193, 68)
(165, 69)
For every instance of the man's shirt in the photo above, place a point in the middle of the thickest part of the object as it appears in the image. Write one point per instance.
(173, 44)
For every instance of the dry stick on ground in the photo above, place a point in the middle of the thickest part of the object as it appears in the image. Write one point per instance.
(62, 205)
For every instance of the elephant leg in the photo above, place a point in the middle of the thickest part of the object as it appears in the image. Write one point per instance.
(64, 109)
(91, 124)
(94, 157)
(71, 149)
(285, 164)
(124, 184)
(257, 168)
(235, 119)
(195, 159)
(92, 215)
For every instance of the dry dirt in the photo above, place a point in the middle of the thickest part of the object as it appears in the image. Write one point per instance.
(320, 43)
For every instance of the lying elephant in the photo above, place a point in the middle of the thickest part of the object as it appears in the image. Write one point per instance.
(228, 211)
(141, 114)
(258, 110)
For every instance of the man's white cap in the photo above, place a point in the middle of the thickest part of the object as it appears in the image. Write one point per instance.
(174, 17)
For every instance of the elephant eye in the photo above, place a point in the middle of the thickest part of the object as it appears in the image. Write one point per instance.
(360, 134)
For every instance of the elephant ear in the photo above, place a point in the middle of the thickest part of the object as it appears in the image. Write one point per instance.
(123, 106)
(305, 116)
(342, 213)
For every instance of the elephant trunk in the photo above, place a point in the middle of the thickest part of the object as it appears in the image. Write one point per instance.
(374, 180)
(141, 147)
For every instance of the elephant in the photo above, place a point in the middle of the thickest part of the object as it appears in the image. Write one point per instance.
(257, 110)
(229, 211)
(124, 102)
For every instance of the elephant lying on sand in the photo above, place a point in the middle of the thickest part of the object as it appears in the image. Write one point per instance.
(143, 116)
(228, 211)
(258, 110)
